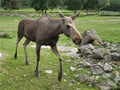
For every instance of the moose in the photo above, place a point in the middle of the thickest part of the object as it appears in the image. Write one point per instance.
(46, 31)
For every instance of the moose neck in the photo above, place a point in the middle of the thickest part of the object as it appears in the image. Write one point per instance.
(58, 24)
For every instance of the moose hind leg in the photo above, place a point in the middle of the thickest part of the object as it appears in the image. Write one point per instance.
(54, 49)
(18, 40)
(24, 45)
(38, 47)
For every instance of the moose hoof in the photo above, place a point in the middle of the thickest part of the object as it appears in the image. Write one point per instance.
(27, 63)
(37, 74)
(59, 76)
(15, 55)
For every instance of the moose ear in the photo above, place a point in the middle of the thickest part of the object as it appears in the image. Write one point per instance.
(75, 16)
(61, 14)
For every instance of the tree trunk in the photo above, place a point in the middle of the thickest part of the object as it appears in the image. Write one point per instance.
(45, 12)
(98, 11)
(87, 12)
(42, 12)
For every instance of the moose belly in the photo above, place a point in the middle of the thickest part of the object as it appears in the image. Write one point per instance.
(50, 42)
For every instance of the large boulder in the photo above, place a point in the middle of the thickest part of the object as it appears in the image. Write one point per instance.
(89, 36)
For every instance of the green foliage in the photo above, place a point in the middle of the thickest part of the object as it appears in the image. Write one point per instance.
(9, 4)
(74, 4)
(114, 5)
(102, 3)
(54, 3)
(40, 5)
(95, 4)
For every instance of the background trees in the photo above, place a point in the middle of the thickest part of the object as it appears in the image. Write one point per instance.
(100, 4)
(40, 5)
(74, 4)
(44, 5)
(114, 5)
(54, 3)
(9, 4)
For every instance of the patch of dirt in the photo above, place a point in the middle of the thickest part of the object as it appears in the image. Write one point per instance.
(66, 50)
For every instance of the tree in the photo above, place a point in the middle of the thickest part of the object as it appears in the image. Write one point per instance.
(25, 3)
(9, 4)
(40, 5)
(74, 4)
(100, 4)
(114, 5)
(89, 4)
(54, 3)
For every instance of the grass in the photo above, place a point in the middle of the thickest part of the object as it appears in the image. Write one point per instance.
(17, 75)
(14, 74)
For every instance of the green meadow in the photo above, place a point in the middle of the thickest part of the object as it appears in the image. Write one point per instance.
(14, 74)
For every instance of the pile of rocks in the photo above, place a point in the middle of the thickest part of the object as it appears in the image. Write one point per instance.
(103, 59)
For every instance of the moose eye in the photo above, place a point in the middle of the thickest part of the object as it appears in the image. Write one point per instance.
(68, 26)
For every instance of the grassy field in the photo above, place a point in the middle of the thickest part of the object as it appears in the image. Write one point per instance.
(14, 74)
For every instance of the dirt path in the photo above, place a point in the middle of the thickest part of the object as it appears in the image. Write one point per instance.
(66, 50)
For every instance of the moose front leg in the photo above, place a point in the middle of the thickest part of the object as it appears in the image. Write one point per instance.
(38, 47)
(54, 49)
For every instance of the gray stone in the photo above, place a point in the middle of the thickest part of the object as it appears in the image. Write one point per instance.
(89, 46)
(84, 51)
(72, 81)
(89, 36)
(107, 67)
(115, 56)
(82, 78)
(3, 34)
(108, 58)
(106, 85)
(106, 44)
(96, 70)
(107, 75)
(117, 80)
(112, 50)
(98, 53)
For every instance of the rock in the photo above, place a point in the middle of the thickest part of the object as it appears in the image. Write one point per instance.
(48, 71)
(94, 77)
(107, 67)
(0, 55)
(108, 58)
(89, 46)
(117, 79)
(96, 70)
(87, 64)
(89, 36)
(82, 78)
(84, 51)
(115, 56)
(106, 44)
(72, 68)
(72, 81)
(107, 75)
(4, 35)
(112, 50)
(98, 53)
(106, 85)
